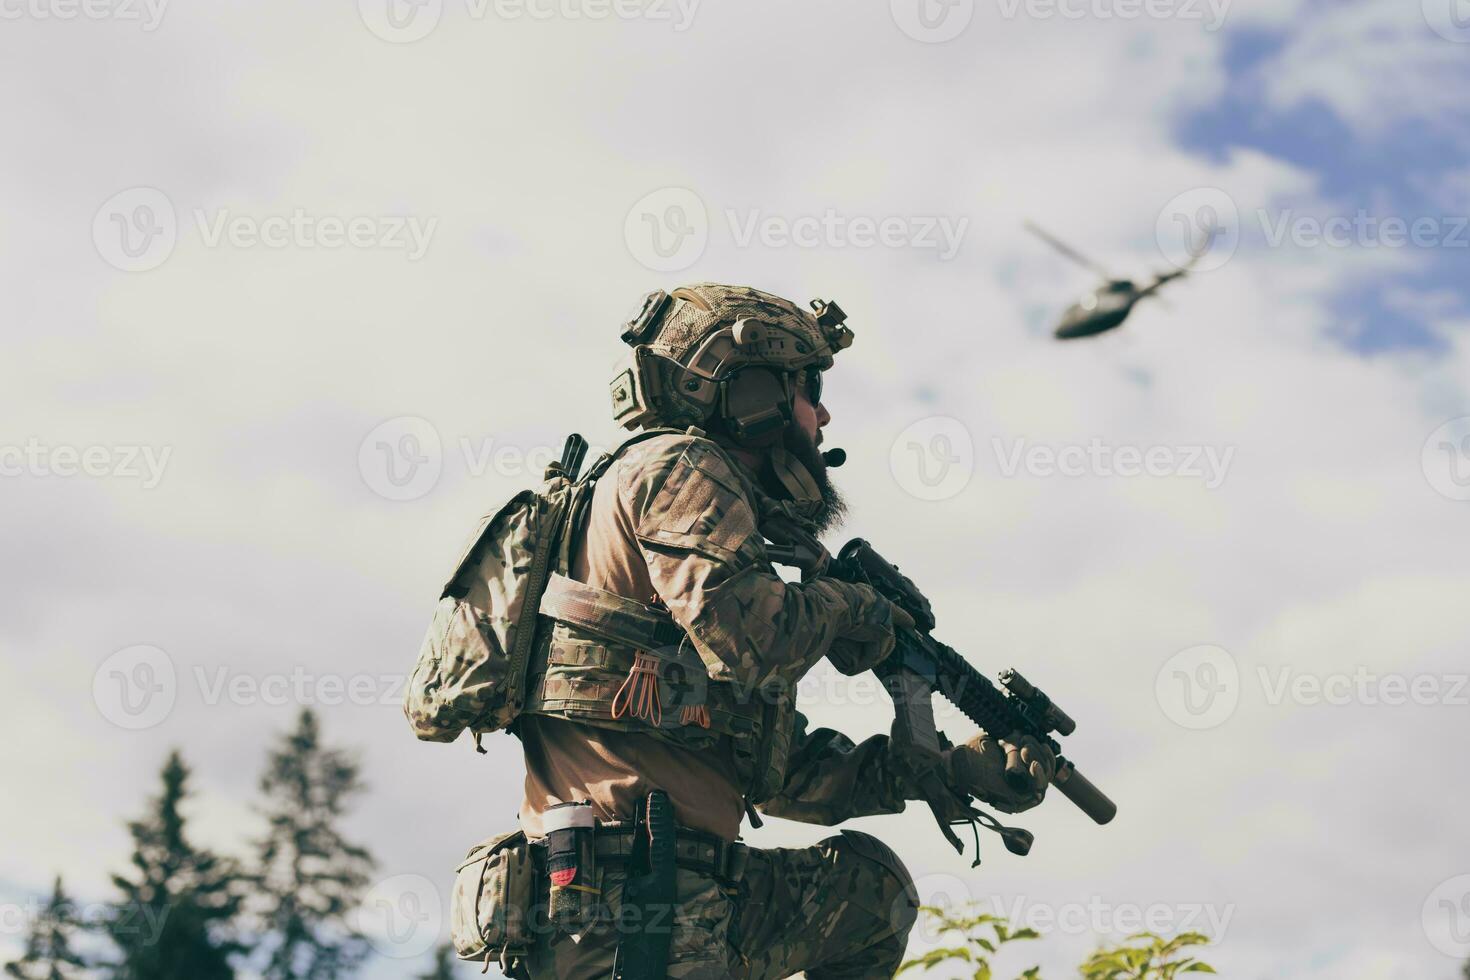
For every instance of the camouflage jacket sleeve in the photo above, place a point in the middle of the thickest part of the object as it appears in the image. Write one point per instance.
(829, 779)
(695, 521)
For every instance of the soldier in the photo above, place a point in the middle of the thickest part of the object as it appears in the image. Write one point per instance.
(660, 704)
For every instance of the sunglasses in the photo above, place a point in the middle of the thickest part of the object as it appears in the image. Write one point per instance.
(811, 382)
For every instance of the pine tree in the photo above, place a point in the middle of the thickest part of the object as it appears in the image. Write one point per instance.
(48, 953)
(177, 913)
(444, 960)
(310, 878)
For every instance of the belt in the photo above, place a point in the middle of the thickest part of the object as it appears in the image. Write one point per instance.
(695, 850)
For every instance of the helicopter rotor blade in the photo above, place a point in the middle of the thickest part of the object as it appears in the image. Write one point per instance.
(1067, 250)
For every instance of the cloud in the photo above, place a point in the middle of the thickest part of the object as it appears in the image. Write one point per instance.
(1376, 65)
(264, 552)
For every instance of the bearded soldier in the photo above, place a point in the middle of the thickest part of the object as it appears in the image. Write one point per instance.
(658, 708)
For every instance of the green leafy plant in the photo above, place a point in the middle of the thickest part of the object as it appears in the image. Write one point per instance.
(1142, 956)
(983, 934)
(1147, 956)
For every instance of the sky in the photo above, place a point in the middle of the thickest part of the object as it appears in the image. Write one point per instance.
(292, 293)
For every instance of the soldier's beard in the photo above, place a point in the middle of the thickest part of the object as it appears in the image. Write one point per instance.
(833, 508)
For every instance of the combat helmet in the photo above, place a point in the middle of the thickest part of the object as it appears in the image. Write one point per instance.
(730, 357)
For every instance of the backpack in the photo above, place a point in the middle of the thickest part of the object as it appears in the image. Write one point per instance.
(471, 668)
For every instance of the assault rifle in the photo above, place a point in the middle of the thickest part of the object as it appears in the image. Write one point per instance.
(921, 666)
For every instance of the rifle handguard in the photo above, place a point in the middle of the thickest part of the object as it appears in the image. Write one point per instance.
(1021, 707)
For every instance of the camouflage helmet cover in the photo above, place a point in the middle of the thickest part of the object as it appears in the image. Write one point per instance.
(688, 344)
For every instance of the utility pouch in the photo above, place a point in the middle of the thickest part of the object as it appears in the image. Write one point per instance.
(571, 865)
(494, 894)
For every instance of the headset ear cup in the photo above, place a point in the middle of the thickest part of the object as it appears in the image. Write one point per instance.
(756, 405)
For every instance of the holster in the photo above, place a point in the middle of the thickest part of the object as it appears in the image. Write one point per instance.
(650, 893)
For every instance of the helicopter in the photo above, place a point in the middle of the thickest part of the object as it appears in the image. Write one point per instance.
(1106, 307)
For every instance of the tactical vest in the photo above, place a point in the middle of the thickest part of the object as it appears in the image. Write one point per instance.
(612, 662)
(515, 635)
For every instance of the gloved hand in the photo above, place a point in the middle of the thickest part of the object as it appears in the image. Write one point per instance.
(868, 642)
(978, 768)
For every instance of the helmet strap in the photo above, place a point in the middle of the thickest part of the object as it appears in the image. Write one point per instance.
(794, 478)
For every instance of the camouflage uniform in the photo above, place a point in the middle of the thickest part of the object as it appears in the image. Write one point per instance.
(842, 908)
(690, 514)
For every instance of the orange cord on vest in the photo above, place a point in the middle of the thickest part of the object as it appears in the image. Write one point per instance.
(695, 714)
(639, 694)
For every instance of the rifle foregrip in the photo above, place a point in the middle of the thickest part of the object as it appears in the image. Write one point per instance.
(1088, 798)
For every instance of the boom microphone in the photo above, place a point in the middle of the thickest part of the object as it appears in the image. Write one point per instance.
(834, 458)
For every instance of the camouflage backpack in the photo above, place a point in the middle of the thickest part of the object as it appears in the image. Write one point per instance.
(472, 665)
